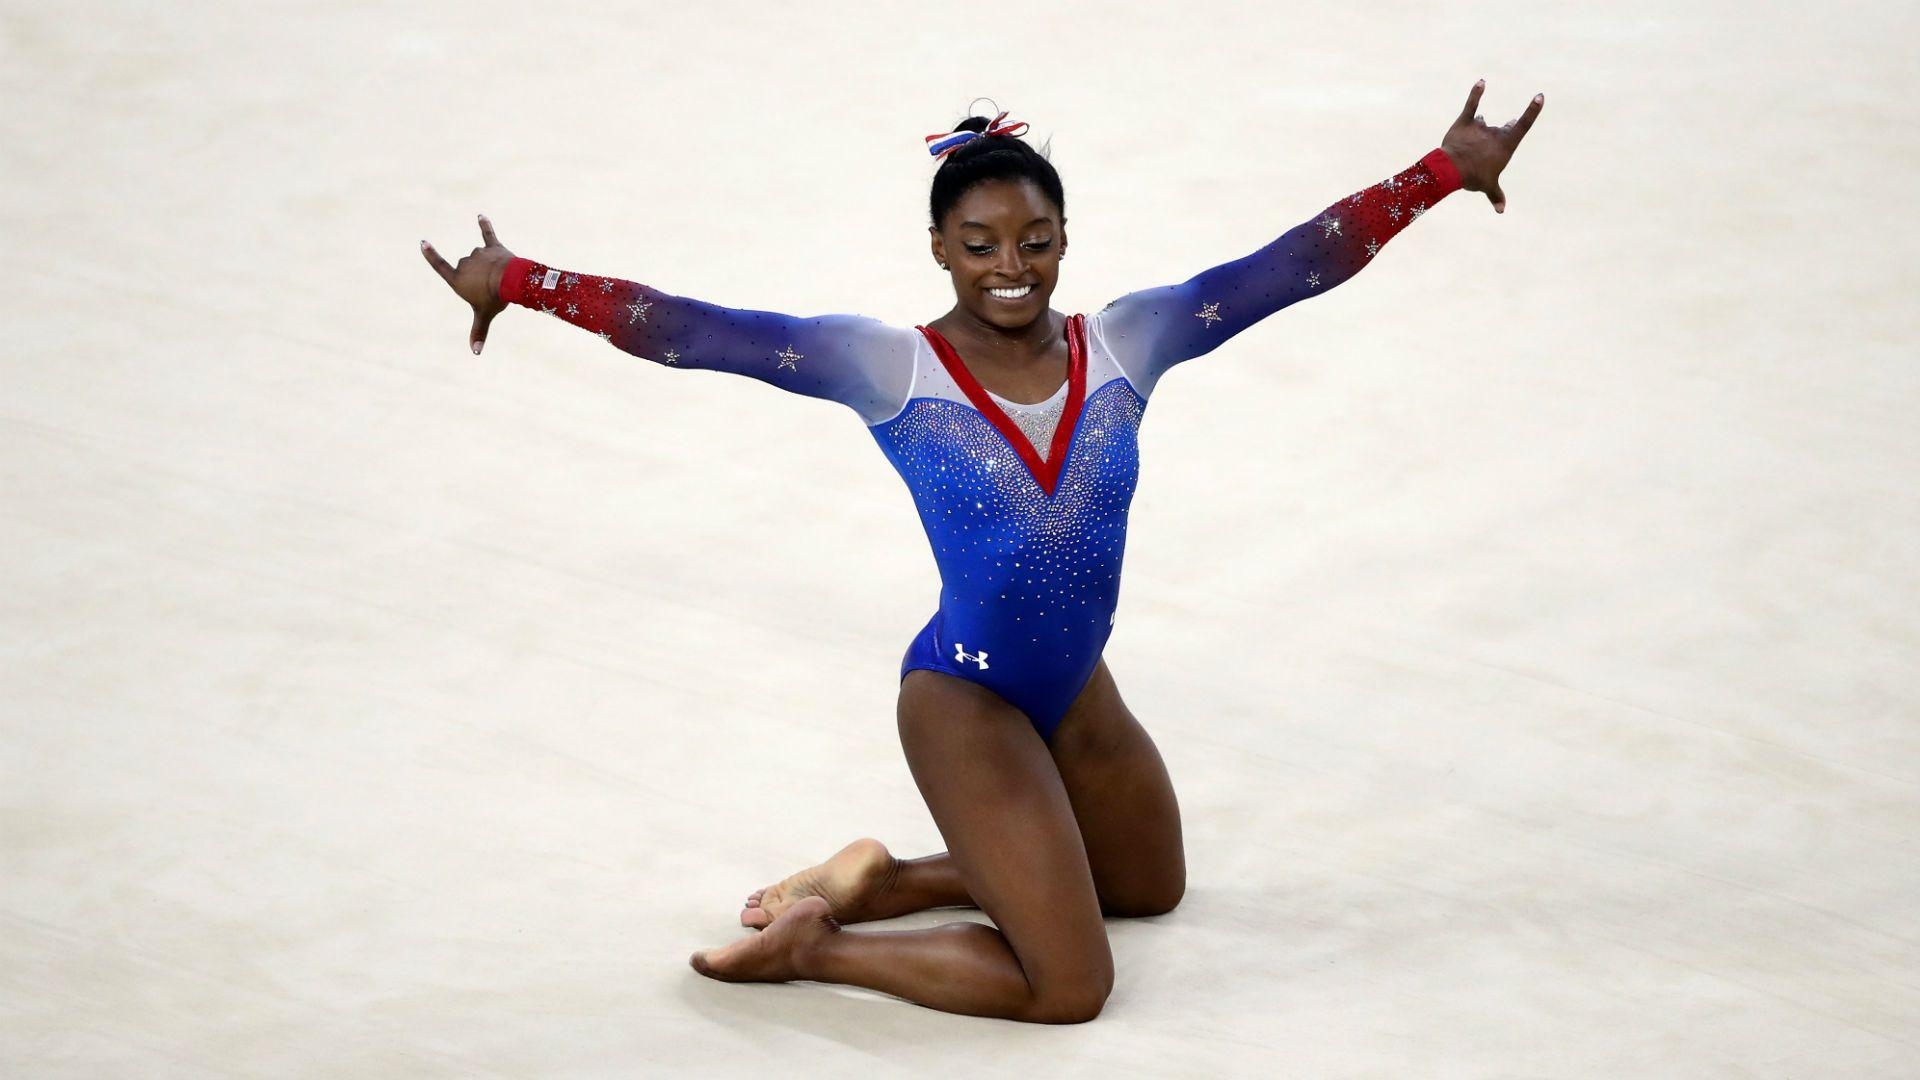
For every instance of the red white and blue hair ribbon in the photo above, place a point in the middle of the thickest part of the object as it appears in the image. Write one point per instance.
(946, 142)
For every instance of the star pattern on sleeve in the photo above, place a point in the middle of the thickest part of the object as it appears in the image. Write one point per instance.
(788, 356)
(637, 311)
(570, 280)
(1209, 313)
(606, 285)
(671, 357)
(1355, 228)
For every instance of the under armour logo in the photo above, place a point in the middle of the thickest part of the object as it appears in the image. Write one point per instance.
(961, 656)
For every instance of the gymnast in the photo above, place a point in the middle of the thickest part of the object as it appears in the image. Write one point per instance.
(1014, 428)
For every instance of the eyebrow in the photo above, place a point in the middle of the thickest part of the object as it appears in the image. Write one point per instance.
(980, 225)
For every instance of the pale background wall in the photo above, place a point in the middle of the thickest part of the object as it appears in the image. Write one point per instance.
(1528, 624)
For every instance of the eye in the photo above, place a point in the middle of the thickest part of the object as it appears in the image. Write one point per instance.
(976, 250)
(1039, 245)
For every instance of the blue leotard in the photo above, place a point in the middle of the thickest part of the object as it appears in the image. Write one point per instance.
(1026, 513)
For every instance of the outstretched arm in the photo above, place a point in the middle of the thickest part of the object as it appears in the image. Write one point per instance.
(857, 361)
(1152, 330)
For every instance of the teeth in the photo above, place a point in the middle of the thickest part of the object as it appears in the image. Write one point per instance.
(1012, 294)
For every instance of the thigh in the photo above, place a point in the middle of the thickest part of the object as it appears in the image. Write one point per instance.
(997, 799)
(1123, 798)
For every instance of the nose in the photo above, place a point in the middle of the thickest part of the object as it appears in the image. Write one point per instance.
(1011, 264)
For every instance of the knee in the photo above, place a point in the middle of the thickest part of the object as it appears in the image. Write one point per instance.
(1075, 1004)
(1148, 902)
(1149, 908)
(1073, 996)
(1168, 898)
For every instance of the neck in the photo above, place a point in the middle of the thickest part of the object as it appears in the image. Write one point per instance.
(1017, 344)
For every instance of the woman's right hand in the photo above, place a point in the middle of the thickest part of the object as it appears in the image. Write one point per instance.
(476, 280)
(1479, 152)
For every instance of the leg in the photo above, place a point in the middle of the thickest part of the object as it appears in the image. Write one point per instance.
(997, 798)
(1121, 796)
(1123, 800)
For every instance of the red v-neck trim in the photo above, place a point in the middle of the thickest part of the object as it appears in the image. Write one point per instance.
(1045, 473)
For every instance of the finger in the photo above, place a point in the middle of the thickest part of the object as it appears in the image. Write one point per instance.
(486, 232)
(434, 260)
(477, 338)
(1517, 129)
(1499, 197)
(1473, 101)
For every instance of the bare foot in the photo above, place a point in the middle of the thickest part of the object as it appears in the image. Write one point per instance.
(849, 882)
(777, 953)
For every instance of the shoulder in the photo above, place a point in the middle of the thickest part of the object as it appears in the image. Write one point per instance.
(1103, 355)
(861, 325)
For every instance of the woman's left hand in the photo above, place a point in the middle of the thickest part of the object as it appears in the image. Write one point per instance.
(1480, 152)
(476, 280)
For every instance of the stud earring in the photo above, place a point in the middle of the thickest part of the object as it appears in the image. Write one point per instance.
(943, 266)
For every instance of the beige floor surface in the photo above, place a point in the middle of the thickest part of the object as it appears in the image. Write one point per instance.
(1529, 625)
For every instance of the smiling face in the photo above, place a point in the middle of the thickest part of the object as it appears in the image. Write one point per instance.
(1002, 244)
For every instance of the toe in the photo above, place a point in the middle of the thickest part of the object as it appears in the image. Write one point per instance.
(754, 917)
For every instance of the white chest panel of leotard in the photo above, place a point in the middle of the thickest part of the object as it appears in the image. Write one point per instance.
(1038, 420)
